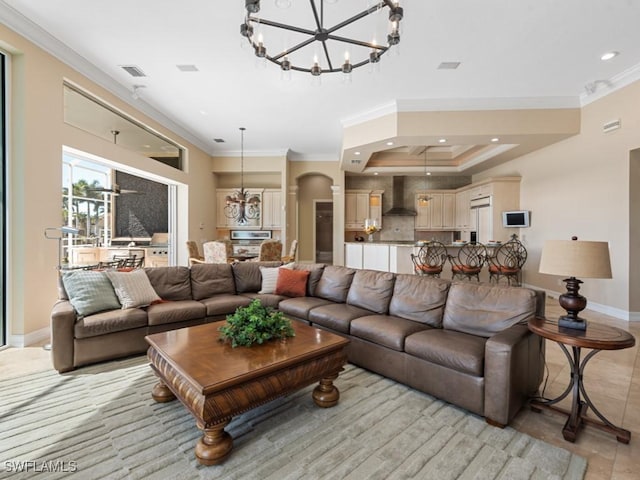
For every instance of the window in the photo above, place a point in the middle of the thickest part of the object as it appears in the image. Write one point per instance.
(96, 117)
(3, 211)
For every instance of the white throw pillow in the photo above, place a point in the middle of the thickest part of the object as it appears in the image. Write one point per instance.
(133, 288)
(269, 279)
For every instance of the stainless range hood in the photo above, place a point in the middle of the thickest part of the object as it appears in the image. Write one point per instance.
(398, 209)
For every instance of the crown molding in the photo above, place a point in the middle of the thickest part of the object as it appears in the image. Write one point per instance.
(602, 88)
(25, 27)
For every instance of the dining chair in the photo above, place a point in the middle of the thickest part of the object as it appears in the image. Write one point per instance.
(292, 252)
(218, 251)
(270, 251)
(194, 253)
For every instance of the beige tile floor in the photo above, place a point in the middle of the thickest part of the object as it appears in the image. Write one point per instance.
(612, 380)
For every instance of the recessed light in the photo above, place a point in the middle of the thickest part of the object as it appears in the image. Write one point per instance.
(356, 153)
(389, 143)
(428, 173)
(495, 139)
(375, 173)
(204, 112)
(443, 140)
(609, 55)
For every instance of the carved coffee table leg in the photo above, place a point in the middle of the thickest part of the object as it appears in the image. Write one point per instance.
(161, 393)
(215, 445)
(326, 394)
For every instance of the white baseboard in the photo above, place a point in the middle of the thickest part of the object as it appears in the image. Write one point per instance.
(596, 307)
(30, 338)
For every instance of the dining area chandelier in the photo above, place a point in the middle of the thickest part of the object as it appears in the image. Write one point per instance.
(242, 206)
(321, 41)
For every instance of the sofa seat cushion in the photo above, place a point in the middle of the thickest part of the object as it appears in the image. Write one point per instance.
(267, 299)
(109, 322)
(385, 330)
(224, 304)
(173, 312)
(336, 316)
(371, 290)
(456, 350)
(300, 307)
(486, 309)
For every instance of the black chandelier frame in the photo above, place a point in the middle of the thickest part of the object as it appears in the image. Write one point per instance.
(242, 206)
(322, 34)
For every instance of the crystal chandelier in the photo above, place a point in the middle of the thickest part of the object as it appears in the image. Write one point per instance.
(242, 206)
(341, 35)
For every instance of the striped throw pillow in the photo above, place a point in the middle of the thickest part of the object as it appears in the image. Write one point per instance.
(133, 288)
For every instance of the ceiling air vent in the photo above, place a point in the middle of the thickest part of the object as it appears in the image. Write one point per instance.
(355, 161)
(187, 68)
(612, 125)
(448, 65)
(133, 70)
(218, 140)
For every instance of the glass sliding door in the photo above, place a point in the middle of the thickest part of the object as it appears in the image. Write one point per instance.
(3, 210)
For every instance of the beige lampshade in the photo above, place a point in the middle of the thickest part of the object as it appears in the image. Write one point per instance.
(576, 258)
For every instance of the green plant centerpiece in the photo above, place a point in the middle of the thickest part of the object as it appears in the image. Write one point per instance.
(255, 323)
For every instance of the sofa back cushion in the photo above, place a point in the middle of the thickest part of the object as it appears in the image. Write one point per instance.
(170, 283)
(315, 272)
(334, 283)
(209, 279)
(484, 310)
(247, 276)
(371, 290)
(419, 298)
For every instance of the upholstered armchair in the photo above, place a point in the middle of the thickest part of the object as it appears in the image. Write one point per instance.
(218, 251)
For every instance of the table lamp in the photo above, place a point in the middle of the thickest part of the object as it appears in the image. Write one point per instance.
(575, 258)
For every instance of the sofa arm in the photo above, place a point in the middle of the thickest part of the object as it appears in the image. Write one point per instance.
(514, 364)
(63, 319)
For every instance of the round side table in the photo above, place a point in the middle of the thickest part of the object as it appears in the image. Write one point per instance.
(596, 337)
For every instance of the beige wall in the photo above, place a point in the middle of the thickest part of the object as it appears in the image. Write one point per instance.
(36, 138)
(580, 186)
(310, 181)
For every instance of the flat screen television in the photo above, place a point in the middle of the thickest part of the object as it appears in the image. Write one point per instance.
(516, 218)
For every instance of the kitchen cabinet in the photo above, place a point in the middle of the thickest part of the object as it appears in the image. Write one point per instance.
(462, 210)
(353, 255)
(84, 255)
(375, 206)
(503, 194)
(436, 214)
(271, 209)
(356, 210)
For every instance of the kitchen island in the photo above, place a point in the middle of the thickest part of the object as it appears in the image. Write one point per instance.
(392, 256)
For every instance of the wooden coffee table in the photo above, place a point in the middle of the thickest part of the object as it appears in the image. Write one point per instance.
(217, 382)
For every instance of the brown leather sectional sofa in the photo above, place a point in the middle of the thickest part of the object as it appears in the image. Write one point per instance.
(463, 342)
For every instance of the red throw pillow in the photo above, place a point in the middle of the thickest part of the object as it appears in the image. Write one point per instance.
(292, 283)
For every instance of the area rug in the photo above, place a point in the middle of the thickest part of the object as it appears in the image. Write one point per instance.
(101, 422)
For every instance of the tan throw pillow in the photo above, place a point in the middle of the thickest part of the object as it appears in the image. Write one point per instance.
(133, 288)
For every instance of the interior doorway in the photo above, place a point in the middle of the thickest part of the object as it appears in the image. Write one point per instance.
(323, 234)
